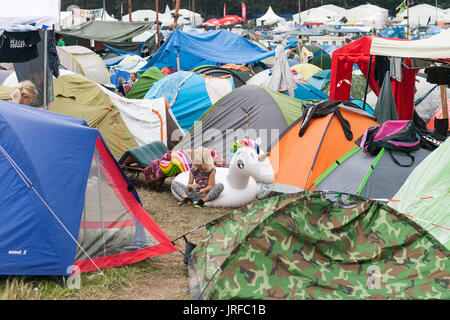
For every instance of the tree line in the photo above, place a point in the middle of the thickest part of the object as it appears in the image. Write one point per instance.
(255, 8)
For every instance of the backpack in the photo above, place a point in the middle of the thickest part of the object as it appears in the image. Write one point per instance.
(393, 135)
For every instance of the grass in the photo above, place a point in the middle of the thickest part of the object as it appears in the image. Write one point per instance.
(157, 278)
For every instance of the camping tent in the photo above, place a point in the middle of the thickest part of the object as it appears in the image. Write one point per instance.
(369, 176)
(240, 74)
(303, 91)
(130, 63)
(320, 79)
(299, 161)
(77, 96)
(84, 61)
(311, 246)
(248, 111)
(207, 48)
(306, 70)
(269, 18)
(425, 194)
(144, 83)
(147, 120)
(64, 200)
(189, 94)
(421, 15)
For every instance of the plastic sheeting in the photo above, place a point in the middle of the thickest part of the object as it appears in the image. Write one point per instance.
(207, 48)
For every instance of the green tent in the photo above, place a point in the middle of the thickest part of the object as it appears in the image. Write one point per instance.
(77, 96)
(320, 57)
(429, 180)
(385, 108)
(314, 245)
(144, 83)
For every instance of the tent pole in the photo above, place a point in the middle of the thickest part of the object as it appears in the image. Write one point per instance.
(444, 101)
(45, 69)
(157, 22)
(178, 62)
(175, 16)
(367, 82)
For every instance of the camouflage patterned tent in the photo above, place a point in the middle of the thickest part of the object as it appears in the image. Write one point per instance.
(313, 245)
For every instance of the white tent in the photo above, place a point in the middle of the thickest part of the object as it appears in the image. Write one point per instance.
(191, 17)
(435, 47)
(67, 20)
(141, 15)
(106, 17)
(269, 18)
(84, 61)
(322, 14)
(419, 15)
(147, 120)
(374, 16)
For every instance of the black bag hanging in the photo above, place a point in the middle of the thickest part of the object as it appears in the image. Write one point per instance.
(394, 136)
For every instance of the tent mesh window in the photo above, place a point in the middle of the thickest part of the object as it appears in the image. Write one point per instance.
(107, 226)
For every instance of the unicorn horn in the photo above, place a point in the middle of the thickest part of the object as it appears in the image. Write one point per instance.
(262, 157)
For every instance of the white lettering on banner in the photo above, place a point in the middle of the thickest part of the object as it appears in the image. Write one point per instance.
(17, 44)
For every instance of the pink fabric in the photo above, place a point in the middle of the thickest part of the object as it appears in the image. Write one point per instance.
(390, 127)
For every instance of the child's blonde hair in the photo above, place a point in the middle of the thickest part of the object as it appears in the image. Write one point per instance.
(26, 88)
(203, 160)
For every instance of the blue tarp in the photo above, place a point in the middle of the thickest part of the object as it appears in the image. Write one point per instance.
(55, 153)
(394, 32)
(207, 48)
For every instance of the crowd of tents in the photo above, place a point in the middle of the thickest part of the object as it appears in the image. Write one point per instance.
(334, 213)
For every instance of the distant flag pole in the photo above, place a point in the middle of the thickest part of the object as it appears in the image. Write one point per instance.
(401, 7)
(224, 9)
(244, 11)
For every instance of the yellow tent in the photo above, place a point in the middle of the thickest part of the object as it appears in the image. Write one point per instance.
(306, 70)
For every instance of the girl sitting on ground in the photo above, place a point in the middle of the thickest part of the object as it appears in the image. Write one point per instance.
(201, 187)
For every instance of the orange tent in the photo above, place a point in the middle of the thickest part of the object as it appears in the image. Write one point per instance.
(299, 161)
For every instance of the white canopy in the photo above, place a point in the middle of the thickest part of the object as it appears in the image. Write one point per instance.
(269, 18)
(18, 15)
(191, 17)
(323, 14)
(375, 16)
(141, 15)
(419, 15)
(436, 47)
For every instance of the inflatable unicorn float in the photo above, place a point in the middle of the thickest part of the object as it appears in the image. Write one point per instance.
(248, 165)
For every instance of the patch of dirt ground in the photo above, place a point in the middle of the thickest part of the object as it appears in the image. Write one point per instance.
(168, 279)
